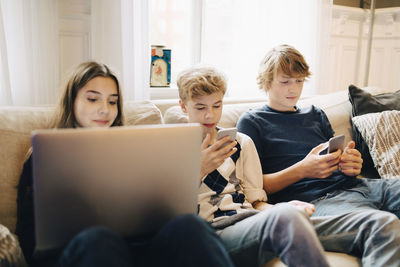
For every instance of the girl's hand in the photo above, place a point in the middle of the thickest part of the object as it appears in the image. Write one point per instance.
(212, 155)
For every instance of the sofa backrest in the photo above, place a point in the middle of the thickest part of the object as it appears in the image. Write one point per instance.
(16, 125)
(336, 106)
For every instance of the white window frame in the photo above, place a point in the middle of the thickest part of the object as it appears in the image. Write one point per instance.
(196, 39)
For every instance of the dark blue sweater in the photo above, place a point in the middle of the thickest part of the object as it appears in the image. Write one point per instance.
(285, 138)
(25, 228)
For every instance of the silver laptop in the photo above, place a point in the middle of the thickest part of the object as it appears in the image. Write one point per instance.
(131, 179)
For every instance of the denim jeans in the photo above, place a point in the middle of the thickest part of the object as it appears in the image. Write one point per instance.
(365, 221)
(185, 241)
(282, 231)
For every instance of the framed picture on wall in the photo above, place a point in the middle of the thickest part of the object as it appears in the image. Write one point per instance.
(160, 72)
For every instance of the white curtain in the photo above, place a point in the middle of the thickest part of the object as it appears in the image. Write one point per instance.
(120, 38)
(28, 52)
(237, 34)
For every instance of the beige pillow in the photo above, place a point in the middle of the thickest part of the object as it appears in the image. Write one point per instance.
(141, 112)
(16, 124)
(381, 132)
(175, 115)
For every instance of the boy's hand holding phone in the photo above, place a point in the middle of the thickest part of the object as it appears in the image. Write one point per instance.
(213, 155)
(350, 160)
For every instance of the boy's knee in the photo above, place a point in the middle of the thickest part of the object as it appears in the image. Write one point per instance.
(382, 221)
(285, 218)
(283, 224)
(282, 217)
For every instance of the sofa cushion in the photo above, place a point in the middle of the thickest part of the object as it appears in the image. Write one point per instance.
(232, 112)
(175, 114)
(14, 146)
(141, 112)
(16, 123)
(364, 102)
(381, 132)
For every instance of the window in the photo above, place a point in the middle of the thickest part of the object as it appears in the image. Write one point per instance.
(234, 35)
(175, 24)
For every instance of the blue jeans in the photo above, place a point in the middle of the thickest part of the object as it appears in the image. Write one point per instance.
(365, 221)
(185, 241)
(281, 231)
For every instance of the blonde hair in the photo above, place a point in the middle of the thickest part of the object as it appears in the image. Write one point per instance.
(284, 58)
(200, 81)
(64, 116)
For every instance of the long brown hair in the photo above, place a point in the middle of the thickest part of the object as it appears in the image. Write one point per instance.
(64, 116)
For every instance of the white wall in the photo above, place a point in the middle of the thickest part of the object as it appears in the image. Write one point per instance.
(347, 45)
(348, 48)
(74, 34)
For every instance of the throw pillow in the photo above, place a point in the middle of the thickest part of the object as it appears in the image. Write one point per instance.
(363, 103)
(10, 251)
(381, 132)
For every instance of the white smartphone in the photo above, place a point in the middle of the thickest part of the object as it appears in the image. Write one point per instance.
(335, 143)
(228, 131)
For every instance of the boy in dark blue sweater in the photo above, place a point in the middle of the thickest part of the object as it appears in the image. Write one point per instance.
(289, 141)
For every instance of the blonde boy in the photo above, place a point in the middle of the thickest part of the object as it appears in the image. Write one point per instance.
(363, 213)
(231, 189)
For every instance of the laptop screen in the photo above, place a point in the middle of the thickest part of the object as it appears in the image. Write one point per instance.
(131, 179)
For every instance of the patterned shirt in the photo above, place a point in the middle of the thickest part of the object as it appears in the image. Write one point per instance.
(234, 186)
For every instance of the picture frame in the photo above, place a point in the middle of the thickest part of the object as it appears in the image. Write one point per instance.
(160, 69)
